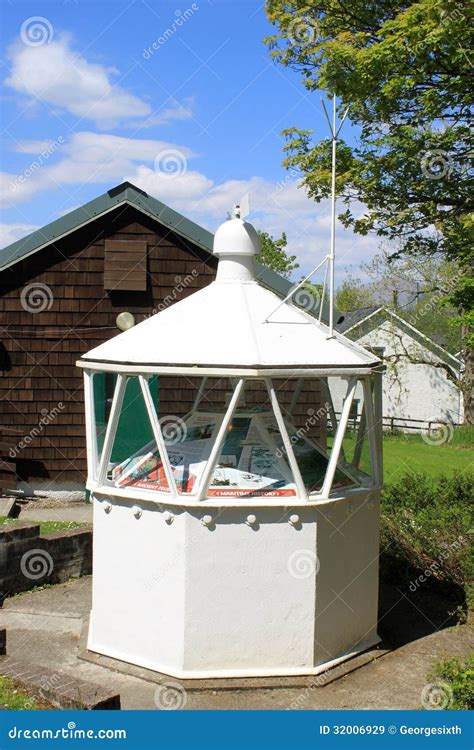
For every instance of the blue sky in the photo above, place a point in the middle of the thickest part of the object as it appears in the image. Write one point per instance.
(181, 99)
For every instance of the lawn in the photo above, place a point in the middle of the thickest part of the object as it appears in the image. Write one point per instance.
(402, 453)
(15, 698)
(47, 527)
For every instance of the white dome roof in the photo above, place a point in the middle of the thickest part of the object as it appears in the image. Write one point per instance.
(236, 237)
(225, 324)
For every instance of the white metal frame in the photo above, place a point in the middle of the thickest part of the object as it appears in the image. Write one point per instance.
(91, 427)
(300, 485)
(98, 469)
(158, 435)
(204, 482)
(114, 417)
(373, 435)
(239, 372)
(338, 438)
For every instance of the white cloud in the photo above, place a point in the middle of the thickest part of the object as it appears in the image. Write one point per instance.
(11, 232)
(163, 170)
(56, 75)
(175, 111)
(275, 207)
(87, 157)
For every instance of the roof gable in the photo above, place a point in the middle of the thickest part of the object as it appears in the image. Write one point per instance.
(379, 315)
(127, 193)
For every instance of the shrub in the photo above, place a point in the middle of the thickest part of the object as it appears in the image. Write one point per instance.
(425, 527)
(458, 675)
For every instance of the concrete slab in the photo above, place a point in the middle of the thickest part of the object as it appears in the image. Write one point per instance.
(81, 513)
(392, 681)
(235, 683)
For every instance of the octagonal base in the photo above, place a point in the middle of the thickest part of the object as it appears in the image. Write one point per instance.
(235, 597)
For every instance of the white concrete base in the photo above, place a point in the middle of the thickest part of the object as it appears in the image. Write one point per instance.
(246, 673)
(229, 599)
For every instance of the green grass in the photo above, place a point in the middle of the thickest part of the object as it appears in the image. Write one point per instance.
(46, 527)
(15, 698)
(404, 453)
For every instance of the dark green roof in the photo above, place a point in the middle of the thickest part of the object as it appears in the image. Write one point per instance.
(112, 199)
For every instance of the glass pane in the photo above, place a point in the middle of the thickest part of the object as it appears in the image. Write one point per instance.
(102, 397)
(188, 433)
(354, 458)
(134, 459)
(190, 414)
(134, 429)
(251, 462)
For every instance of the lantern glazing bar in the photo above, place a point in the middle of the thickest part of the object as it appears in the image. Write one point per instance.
(91, 432)
(341, 430)
(296, 395)
(371, 431)
(115, 410)
(286, 441)
(158, 435)
(248, 373)
(218, 443)
(361, 434)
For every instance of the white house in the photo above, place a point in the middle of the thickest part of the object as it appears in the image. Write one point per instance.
(418, 382)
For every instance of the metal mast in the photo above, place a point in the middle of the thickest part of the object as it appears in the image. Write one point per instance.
(334, 130)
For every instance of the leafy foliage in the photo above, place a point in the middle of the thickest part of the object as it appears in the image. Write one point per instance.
(403, 69)
(459, 675)
(274, 255)
(353, 294)
(425, 528)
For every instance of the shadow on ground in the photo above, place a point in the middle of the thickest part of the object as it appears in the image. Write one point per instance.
(406, 615)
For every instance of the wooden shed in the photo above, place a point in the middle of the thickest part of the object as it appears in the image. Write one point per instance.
(61, 291)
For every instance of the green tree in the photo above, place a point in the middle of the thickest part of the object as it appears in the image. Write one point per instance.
(403, 69)
(353, 294)
(420, 291)
(274, 255)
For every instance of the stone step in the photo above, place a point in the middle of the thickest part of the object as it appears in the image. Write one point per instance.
(60, 689)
